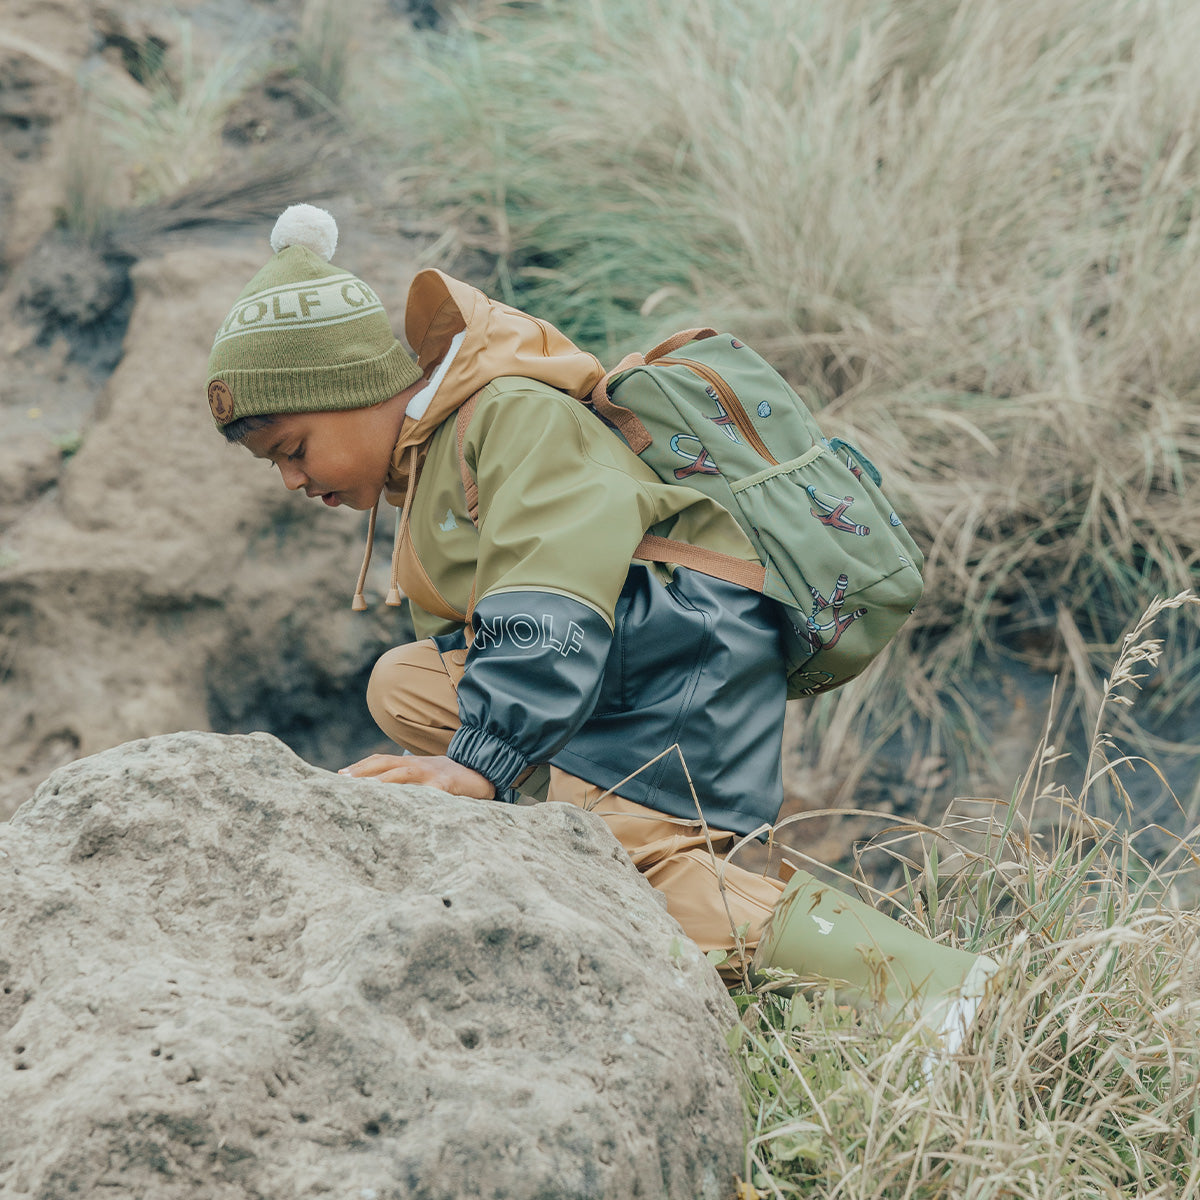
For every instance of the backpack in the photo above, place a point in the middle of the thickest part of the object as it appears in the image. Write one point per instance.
(843, 570)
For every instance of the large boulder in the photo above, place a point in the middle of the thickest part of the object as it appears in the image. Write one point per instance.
(226, 973)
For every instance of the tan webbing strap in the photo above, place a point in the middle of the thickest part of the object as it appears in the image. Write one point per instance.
(632, 430)
(750, 575)
(466, 410)
(678, 340)
(625, 419)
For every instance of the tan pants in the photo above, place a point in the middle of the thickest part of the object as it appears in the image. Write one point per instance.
(413, 698)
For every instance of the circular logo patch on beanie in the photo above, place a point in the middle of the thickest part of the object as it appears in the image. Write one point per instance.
(220, 400)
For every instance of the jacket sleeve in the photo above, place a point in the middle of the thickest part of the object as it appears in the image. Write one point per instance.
(560, 515)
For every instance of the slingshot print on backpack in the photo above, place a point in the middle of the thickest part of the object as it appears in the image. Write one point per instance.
(725, 421)
(855, 469)
(701, 464)
(839, 623)
(834, 515)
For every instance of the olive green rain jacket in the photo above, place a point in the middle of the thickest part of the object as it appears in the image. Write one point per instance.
(579, 656)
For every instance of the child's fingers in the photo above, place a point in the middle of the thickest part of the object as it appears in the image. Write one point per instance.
(437, 771)
(399, 770)
(373, 764)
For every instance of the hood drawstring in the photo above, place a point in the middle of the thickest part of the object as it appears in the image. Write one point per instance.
(394, 597)
(359, 603)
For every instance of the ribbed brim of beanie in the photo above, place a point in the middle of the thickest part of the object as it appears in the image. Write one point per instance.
(304, 336)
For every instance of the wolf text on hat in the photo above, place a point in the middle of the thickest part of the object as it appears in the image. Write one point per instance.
(304, 335)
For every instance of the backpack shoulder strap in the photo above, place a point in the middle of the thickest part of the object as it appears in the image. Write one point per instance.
(636, 435)
(632, 429)
(466, 410)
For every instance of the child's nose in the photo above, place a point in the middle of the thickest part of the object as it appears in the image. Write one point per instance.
(293, 477)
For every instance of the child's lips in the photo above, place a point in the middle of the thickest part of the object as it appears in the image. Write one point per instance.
(330, 498)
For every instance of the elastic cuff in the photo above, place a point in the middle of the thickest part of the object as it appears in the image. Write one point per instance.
(491, 756)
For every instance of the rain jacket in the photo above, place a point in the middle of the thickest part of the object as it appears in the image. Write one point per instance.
(578, 656)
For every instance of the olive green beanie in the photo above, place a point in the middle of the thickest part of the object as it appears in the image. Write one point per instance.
(304, 336)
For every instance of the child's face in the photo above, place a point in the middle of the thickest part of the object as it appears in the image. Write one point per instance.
(342, 456)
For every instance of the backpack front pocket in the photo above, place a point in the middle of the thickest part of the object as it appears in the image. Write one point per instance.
(857, 575)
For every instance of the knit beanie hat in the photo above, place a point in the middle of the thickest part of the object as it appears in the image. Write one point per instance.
(304, 336)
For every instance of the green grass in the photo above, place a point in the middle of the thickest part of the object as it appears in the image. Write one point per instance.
(170, 128)
(323, 51)
(88, 189)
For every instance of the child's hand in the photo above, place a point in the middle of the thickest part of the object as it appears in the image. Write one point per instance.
(437, 771)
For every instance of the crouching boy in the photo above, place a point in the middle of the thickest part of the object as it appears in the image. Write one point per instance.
(548, 658)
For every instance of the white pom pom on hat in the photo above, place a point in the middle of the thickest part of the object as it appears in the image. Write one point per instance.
(308, 226)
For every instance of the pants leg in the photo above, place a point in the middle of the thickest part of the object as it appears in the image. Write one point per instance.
(818, 930)
(413, 695)
(712, 900)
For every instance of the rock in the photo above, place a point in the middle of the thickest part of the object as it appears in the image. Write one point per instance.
(68, 284)
(169, 582)
(226, 973)
(29, 465)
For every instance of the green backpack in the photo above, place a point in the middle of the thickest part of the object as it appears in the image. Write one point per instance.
(834, 555)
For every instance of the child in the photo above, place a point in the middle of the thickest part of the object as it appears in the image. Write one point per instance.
(549, 658)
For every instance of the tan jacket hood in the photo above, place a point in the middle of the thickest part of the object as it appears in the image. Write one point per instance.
(464, 340)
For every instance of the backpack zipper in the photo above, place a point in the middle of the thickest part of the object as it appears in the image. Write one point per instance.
(729, 402)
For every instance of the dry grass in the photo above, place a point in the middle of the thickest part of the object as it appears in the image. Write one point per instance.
(1082, 1076)
(88, 183)
(965, 230)
(324, 51)
(169, 129)
(139, 141)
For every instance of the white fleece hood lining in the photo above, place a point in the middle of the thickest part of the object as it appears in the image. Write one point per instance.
(418, 406)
